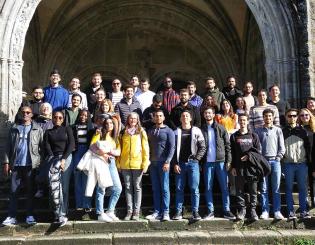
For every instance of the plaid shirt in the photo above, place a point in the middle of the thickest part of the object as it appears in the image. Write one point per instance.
(170, 99)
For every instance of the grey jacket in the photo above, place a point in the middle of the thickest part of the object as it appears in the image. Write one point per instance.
(198, 147)
(35, 143)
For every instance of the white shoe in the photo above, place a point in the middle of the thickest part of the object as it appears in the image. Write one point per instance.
(9, 221)
(264, 215)
(278, 216)
(104, 218)
(112, 216)
(63, 220)
(30, 220)
(154, 216)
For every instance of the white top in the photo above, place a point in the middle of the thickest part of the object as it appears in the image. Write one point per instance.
(145, 99)
(83, 104)
(117, 96)
(211, 153)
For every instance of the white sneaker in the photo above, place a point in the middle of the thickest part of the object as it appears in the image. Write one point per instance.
(104, 218)
(112, 215)
(30, 220)
(63, 220)
(9, 221)
(264, 215)
(154, 216)
(278, 216)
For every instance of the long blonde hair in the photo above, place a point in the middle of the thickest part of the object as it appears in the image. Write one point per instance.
(312, 119)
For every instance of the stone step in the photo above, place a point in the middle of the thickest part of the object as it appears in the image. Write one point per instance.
(169, 237)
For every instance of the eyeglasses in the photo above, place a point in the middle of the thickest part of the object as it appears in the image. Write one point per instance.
(58, 117)
(304, 115)
(26, 112)
(290, 116)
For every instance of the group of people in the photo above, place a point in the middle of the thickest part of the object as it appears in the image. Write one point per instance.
(97, 136)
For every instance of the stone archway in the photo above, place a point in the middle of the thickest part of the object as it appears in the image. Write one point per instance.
(273, 17)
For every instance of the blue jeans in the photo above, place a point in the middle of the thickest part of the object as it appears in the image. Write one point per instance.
(300, 171)
(189, 170)
(80, 178)
(65, 181)
(275, 177)
(219, 169)
(160, 187)
(115, 190)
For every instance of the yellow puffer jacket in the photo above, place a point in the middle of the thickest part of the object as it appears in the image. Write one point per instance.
(134, 151)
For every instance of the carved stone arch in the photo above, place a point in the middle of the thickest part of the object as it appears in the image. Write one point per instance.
(276, 27)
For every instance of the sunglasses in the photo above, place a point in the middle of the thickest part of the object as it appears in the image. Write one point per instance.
(58, 117)
(26, 112)
(290, 116)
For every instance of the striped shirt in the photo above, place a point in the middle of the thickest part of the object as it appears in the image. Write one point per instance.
(256, 116)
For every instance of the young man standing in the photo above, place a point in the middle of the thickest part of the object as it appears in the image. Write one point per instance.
(231, 92)
(146, 95)
(216, 162)
(282, 105)
(213, 90)
(127, 105)
(55, 94)
(242, 141)
(272, 145)
(170, 97)
(96, 84)
(134, 81)
(182, 106)
(72, 113)
(194, 98)
(256, 113)
(162, 147)
(116, 95)
(248, 96)
(190, 148)
(295, 163)
(74, 88)
(22, 157)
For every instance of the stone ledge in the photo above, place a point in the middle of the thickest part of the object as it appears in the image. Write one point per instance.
(176, 237)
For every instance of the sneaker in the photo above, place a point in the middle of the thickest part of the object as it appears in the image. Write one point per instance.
(135, 216)
(196, 216)
(63, 220)
(278, 216)
(209, 216)
(253, 215)
(103, 217)
(30, 220)
(228, 215)
(178, 216)
(166, 217)
(241, 214)
(128, 216)
(112, 216)
(305, 215)
(264, 215)
(154, 216)
(292, 216)
(39, 194)
(88, 210)
(9, 221)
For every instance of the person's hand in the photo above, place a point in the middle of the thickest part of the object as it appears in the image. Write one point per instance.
(244, 158)
(62, 164)
(6, 169)
(177, 169)
(233, 172)
(145, 169)
(227, 166)
(166, 167)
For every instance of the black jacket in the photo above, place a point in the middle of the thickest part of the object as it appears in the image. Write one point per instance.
(223, 146)
(256, 167)
(148, 115)
(177, 111)
(231, 95)
(91, 100)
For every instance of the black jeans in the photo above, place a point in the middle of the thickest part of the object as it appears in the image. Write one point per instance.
(251, 184)
(21, 176)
